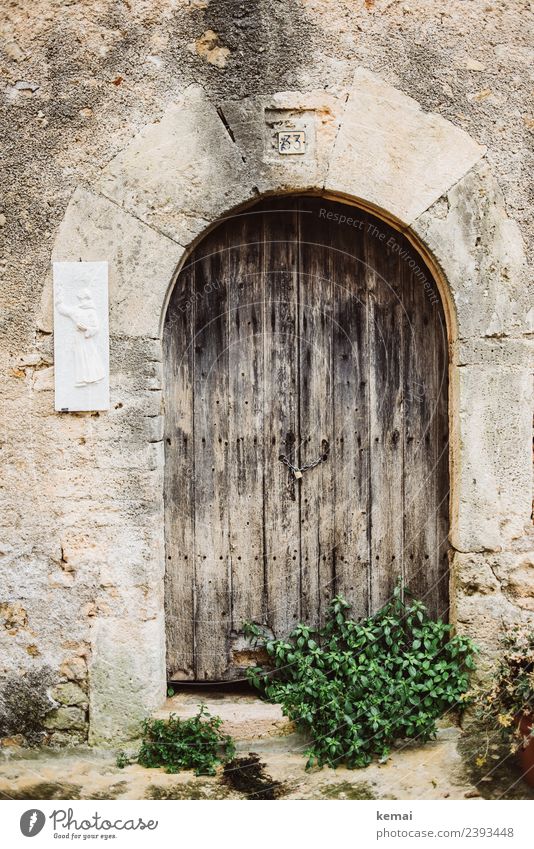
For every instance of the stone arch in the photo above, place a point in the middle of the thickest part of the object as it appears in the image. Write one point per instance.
(372, 146)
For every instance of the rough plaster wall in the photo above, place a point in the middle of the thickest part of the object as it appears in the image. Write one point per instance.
(78, 81)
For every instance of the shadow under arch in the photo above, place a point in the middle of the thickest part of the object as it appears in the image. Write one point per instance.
(437, 274)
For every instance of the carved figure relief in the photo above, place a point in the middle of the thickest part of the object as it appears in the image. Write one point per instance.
(81, 336)
(88, 366)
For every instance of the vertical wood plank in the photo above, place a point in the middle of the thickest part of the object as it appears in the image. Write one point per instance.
(350, 460)
(425, 489)
(213, 611)
(245, 419)
(315, 347)
(441, 431)
(420, 398)
(386, 419)
(179, 492)
(280, 496)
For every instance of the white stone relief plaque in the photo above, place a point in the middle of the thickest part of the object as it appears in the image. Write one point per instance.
(81, 336)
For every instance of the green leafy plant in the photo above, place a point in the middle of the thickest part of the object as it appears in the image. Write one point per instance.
(356, 686)
(176, 744)
(122, 760)
(508, 697)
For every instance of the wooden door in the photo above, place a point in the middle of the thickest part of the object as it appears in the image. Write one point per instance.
(301, 329)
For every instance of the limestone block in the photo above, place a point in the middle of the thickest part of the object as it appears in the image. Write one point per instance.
(127, 395)
(255, 121)
(481, 252)
(135, 455)
(43, 380)
(142, 602)
(127, 676)
(75, 669)
(472, 575)
(130, 423)
(492, 447)
(154, 425)
(129, 559)
(180, 173)
(24, 576)
(66, 718)
(484, 619)
(32, 360)
(141, 263)
(506, 352)
(69, 694)
(62, 739)
(515, 572)
(392, 154)
(478, 607)
(92, 481)
(156, 456)
(13, 616)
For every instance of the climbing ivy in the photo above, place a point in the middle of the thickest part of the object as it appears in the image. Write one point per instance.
(357, 686)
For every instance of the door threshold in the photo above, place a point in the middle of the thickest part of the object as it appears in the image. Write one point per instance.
(240, 687)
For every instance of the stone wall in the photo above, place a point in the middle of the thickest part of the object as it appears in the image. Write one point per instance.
(128, 128)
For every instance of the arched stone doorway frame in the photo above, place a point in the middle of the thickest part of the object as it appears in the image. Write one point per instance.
(372, 147)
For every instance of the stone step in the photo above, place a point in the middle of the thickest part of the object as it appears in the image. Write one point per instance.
(253, 723)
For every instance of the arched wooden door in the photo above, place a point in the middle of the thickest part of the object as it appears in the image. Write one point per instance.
(307, 329)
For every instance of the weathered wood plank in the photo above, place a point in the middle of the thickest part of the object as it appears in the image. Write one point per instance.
(315, 354)
(245, 420)
(350, 460)
(386, 424)
(425, 439)
(419, 401)
(213, 602)
(441, 431)
(179, 492)
(280, 497)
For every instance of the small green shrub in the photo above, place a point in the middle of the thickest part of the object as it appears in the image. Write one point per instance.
(178, 744)
(355, 687)
(123, 760)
